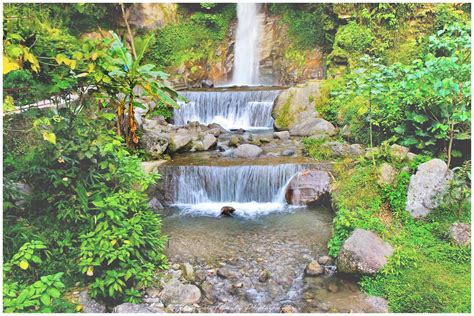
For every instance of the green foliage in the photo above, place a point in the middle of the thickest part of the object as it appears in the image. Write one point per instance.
(313, 146)
(351, 41)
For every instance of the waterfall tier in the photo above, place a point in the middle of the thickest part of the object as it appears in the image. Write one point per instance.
(232, 109)
(251, 190)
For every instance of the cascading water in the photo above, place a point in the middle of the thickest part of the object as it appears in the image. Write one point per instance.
(246, 60)
(251, 190)
(231, 109)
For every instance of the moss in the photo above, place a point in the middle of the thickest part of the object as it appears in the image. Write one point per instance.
(315, 149)
(285, 117)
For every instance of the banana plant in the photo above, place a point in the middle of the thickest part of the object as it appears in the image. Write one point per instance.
(125, 79)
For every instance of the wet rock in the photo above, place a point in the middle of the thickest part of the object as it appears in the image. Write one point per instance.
(427, 187)
(155, 143)
(284, 135)
(460, 234)
(90, 305)
(288, 309)
(377, 304)
(134, 309)
(308, 186)
(236, 140)
(314, 126)
(264, 140)
(325, 260)
(288, 152)
(226, 273)
(175, 292)
(313, 269)
(155, 204)
(248, 151)
(239, 131)
(151, 166)
(227, 211)
(264, 276)
(207, 84)
(398, 153)
(209, 141)
(363, 253)
(387, 174)
(188, 272)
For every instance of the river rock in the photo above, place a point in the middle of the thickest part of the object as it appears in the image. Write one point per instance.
(155, 204)
(175, 292)
(179, 140)
(236, 140)
(227, 210)
(460, 234)
(308, 186)
(209, 141)
(363, 253)
(427, 187)
(155, 143)
(313, 127)
(134, 309)
(398, 153)
(313, 269)
(188, 272)
(284, 135)
(213, 126)
(151, 166)
(248, 151)
(264, 276)
(288, 309)
(387, 174)
(288, 152)
(225, 273)
(325, 260)
(377, 304)
(295, 104)
(90, 305)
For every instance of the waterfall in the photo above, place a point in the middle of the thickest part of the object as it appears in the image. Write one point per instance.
(231, 109)
(246, 52)
(251, 190)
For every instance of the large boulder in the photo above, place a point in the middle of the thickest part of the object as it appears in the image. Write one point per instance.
(175, 292)
(363, 253)
(155, 143)
(313, 127)
(427, 187)
(180, 140)
(127, 308)
(460, 234)
(209, 141)
(248, 151)
(308, 186)
(294, 104)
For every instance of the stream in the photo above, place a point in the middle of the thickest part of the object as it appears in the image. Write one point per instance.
(255, 260)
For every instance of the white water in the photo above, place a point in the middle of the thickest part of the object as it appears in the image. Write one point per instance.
(246, 52)
(251, 190)
(231, 109)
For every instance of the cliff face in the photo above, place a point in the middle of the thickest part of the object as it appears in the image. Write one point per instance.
(150, 16)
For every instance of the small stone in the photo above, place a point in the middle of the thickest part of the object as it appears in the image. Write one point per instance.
(264, 276)
(225, 273)
(288, 309)
(398, 153)
(387, 174)
(284, 135)
(325, 260)
(134, 308)
(313, 269)
(288, 152)
(188, 272)
(227, 211)
(238, 285)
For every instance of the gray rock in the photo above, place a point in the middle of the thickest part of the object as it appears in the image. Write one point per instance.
(377, 304)
(129, 308)
(387, 174)
(155, 143)
(427, 187)
(356, 150)
(226, 273)
(155, 204)
(398, 153)
(288, 309)
(363, 253)
(22, 192)
(308, 186)
(288, 152)
(89, 304)
(179, 140)
(207, 83)
(313, 269)
(346, 133)
(151, 166)
(337, 149)
(312, 127)
(175, 292)
(217, 126)
(209, 141)
(460, 234)
(284, 135)
(248, 151)
(325, 260)
(188, 272)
